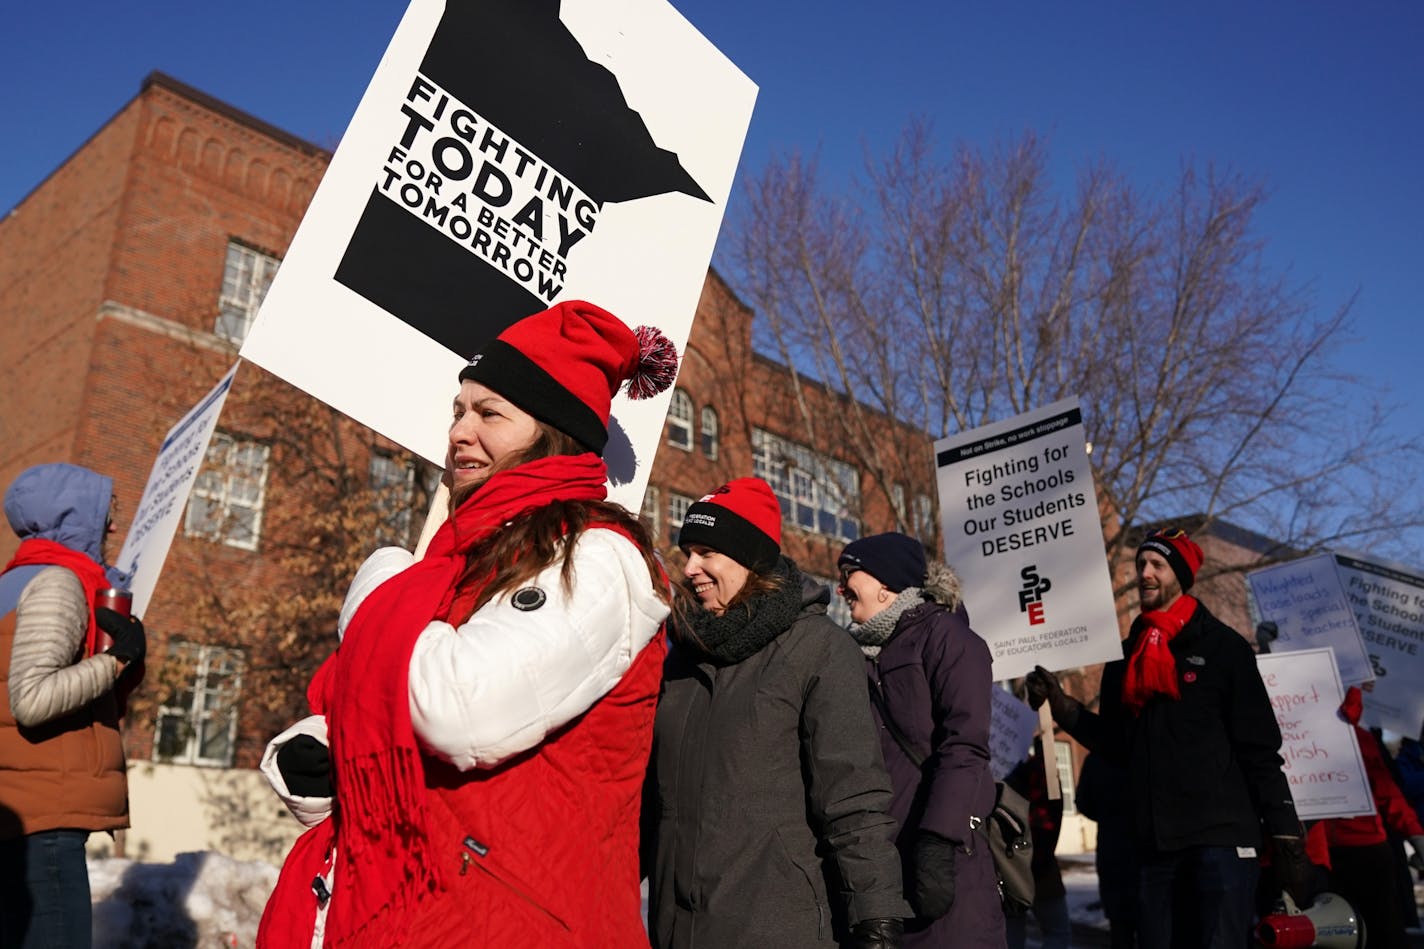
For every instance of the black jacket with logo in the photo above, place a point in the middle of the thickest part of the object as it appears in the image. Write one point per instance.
(1204, 770)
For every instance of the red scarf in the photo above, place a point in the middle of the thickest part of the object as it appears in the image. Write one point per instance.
(379, 828)
(1152, 669)
(36, 551)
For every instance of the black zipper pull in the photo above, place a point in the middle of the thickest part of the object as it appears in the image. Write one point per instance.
(323, 895)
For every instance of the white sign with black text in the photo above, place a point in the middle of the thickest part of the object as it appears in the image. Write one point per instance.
(1021, 529)
(1388, 600)
(506, 156)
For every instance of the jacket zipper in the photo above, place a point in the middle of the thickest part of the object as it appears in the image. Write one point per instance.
(473, 848)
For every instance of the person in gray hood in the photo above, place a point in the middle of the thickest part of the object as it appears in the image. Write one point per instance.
(61, 758)
(929, 681)
(765, 817)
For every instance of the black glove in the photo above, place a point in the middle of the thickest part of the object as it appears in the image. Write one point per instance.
(877, 934)
(130, 641)
(1043, 685)
(1294, 870)
(305, 765)
(933, 892)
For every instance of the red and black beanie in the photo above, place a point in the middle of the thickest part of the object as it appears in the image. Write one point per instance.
(564, 366)
(1180, 551)
(741, 519)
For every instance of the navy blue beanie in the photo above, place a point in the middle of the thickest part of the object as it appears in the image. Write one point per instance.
(896, 560)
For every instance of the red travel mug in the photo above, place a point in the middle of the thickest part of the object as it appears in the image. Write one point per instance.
(120, 601)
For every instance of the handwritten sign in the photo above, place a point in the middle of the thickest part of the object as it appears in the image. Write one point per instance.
(1306, 601)
(1011, 728)
(1322, 760)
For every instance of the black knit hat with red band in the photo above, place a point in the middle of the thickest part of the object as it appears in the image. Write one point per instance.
(1180, 551)
(741, 519)
(564, 366)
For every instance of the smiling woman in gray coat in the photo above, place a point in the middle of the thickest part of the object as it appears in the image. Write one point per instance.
(766, 817)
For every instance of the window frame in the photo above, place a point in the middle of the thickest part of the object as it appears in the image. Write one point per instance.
(247, 276)
(199, 709)
(679, 423)
(675, 520)
(394, 520)
(223, 496)
(709, 431)
(814, 490)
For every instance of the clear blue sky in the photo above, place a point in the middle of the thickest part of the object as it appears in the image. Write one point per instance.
(1320, 99)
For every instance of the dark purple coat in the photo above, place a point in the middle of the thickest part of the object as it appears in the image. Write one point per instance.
(935, 674)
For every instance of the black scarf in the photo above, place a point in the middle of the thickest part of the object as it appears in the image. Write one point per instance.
(744, 629)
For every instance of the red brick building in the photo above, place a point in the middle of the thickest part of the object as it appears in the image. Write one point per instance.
(128, 278)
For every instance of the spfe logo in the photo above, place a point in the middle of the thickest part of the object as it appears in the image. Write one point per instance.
(1031, 596)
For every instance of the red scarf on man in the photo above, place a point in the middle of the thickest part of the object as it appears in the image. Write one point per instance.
(1152, 669)
(379, 829)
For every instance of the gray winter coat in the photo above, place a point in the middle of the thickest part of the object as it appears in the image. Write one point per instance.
(769, 812)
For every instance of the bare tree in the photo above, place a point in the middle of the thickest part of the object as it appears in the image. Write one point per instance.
(952, 293)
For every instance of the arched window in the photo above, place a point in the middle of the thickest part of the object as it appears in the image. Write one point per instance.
(679, 421)
(709, 432)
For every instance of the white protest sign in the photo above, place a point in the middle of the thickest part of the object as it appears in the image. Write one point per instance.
(506, 156)
(1011, 728)
(1322, 759)
(1021, 529)
(1306, 601)
(164, 497)
(1388, 600)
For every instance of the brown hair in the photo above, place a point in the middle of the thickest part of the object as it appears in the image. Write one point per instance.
(511, 557)
(685, 604)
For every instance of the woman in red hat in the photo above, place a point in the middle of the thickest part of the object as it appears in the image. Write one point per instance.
(766, 818)
(473, 772)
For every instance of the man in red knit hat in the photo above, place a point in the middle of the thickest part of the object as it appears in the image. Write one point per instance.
(1186, 713)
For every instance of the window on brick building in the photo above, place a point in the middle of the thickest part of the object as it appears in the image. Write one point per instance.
(838, 609)
(651, 512)
(392, 483)
(226, 503)
(247, 274)
(679, 421)
(197, 718)
(924, 517)
(897, 501)
(677, 511)
(817, 493)
(709, 432)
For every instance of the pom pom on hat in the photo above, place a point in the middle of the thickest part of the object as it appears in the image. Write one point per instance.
(741, 519)
(657, 364)
(1180, 551)
(565, 364)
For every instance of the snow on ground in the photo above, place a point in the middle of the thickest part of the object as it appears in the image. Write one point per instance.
(198, 900)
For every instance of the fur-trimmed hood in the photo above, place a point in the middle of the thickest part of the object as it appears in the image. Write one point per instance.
(942, 585)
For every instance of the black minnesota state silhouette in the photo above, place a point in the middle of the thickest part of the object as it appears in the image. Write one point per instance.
(515, 64)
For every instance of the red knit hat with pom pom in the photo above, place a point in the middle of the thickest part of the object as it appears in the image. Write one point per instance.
(564, 366)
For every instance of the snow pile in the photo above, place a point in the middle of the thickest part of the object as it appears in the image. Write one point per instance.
(200, 899)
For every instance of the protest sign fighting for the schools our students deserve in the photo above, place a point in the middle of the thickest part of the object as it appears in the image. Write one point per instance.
(506, 156)
(164, 497)
(1306, 601)
(1021, 529)
(1321, 757)
(1388, 600)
